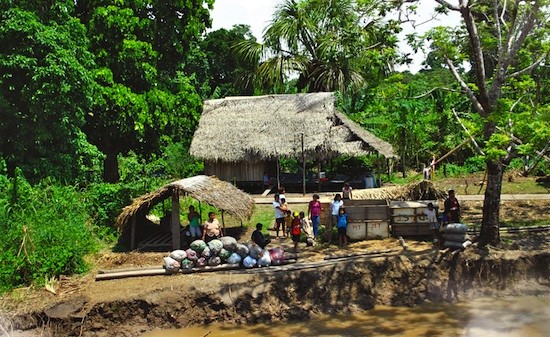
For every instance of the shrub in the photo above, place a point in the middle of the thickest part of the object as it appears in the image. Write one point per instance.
(46, 232)
(475, 164)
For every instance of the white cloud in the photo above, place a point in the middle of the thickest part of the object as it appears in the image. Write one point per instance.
(255, 13)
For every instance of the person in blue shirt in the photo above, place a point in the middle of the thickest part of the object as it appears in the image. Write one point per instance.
(342, 225)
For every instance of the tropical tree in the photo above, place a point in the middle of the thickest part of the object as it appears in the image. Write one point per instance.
(327, 45)
(507, 43)
(143, 99)
(45, 90)
(228, 74)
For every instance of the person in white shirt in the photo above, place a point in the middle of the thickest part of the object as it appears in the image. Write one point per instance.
(346, 192)
(431, 215)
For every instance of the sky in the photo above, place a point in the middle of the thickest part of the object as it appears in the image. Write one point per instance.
(257, 14)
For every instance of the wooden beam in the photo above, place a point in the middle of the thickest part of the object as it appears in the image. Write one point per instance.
(175, 221)
(133, 233)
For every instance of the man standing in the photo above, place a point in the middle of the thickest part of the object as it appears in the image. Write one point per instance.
(452, 208)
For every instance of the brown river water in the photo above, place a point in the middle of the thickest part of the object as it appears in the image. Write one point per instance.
(527, 316)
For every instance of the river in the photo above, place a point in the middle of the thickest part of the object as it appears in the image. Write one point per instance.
(527, 316)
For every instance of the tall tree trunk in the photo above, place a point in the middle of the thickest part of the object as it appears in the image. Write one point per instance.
(491, 205)
(110, 168)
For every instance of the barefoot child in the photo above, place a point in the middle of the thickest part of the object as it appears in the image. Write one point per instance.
(431, 216)
(342, 225)
(296, 230)
(308, 230)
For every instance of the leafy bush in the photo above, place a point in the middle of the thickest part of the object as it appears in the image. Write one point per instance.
(46, 232)
(475, 164)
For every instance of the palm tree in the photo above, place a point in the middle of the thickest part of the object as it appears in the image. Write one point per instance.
(325, 44)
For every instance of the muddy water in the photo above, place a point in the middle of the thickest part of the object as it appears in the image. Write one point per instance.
(503, 317)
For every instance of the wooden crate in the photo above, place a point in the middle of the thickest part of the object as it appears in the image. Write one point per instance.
(408, 219)
(357, 230)
(414, 229)
(377, 229)
(373, 209)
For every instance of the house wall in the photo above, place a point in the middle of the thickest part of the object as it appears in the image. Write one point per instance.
(242, 171)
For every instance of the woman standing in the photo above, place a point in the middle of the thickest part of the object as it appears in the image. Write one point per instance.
(314, 210)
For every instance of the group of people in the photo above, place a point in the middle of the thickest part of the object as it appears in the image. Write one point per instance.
(451, 214)
(210, 230)
(288, 223)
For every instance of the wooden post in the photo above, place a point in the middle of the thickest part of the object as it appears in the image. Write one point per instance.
(223, 224)
(278, 175)
(175, 221)
(133, 233)
(303, 166)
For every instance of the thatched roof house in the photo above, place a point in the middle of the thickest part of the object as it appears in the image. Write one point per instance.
(237, 135)
(211, 190)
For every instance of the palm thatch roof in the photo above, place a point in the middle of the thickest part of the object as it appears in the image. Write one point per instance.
(256, 128)
(423, 190)
(211, 190)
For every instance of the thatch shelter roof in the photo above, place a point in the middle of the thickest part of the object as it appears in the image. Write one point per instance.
(266, 127)
(211, 190)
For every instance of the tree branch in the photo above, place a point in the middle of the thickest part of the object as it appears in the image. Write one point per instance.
(471, 95)
(475, 41)
(432, 90)
(448, 5)
(479, 150)
(529, 68)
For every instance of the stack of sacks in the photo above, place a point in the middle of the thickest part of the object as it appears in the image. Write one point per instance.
(223, 250)
(455, 235)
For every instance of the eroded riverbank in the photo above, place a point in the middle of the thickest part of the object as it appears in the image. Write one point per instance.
(342, 286)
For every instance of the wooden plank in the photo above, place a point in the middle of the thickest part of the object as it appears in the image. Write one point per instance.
(266, 192)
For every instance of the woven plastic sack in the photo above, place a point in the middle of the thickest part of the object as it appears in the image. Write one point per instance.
(229, 243)
(277, 256)
(224, 254)
(453, 244)
(214, 261)
(234, 258)
(265, 260)
(206, 253)
(201, 262)
(255, 251)
(171, 265)
(178, 255)
(249, 262)
(198, 246)
(192, 255)
(215, 246)
(456, 237)
(242, 250)
(456, 228)
(187, 264)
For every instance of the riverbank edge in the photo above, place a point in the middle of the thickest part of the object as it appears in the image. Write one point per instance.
(348, 286)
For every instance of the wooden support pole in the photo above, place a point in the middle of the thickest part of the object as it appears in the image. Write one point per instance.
(175, 221)
(133, 233)
(303, 165)
(223, 223)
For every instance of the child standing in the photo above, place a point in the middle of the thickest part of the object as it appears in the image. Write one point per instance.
(308, 230)
(288, 223)
(431, 215)
(296, 230)
(342, 226)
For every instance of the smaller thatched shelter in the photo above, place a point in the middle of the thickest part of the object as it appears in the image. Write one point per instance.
(210, 190)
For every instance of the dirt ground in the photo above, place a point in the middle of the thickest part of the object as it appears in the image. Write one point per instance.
(397, 275)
